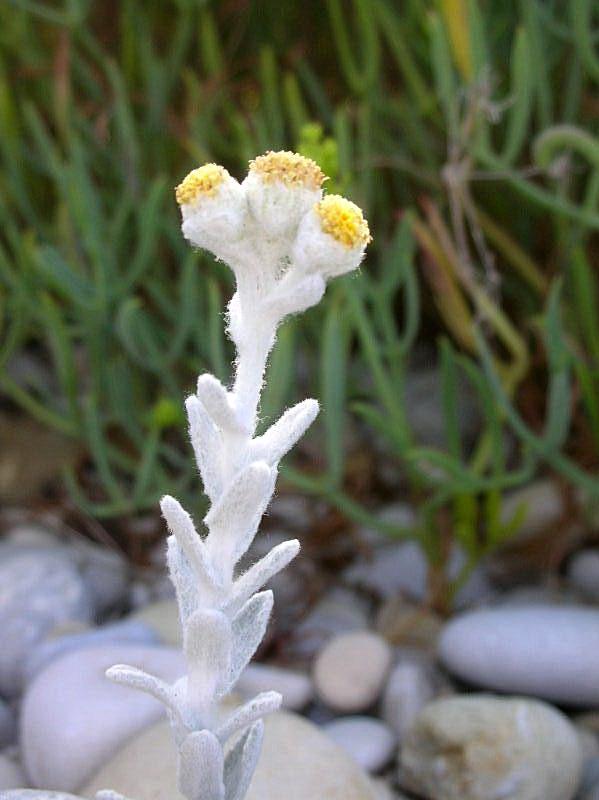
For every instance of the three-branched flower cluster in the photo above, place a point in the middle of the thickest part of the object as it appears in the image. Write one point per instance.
(283, 239)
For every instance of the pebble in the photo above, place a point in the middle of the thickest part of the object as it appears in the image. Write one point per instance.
(402, 568)
(104, 571)
(163, 619)
(73, 718)
(404, 623)
(339, 611)
(127, 631)
(7, 725)
(550, 652)
(295, 687)
(482, 747)
(590, 776)
(11, 775)
(367, 740)
(36, 794)
(544, 507)
(583, 574)
(38, 590)
(409, 689)
(350, 671)
(297, 762)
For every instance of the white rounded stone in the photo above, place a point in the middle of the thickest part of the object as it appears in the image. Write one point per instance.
(408, 690)
(481, 747)
(367, 740)
(297, 762)
(38, 590)
(350, 671)
(73, 718)
(125, 632)
(36, 794)
(295, 687)
(546, 651)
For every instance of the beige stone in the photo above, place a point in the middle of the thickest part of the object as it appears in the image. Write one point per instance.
(350, 671)
(298, 762)
(163, 618)
(482, 747)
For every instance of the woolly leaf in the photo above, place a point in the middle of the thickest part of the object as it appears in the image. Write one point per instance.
(260, 573)
(283, 435)
(234, 519)
(201, 767)
(181, 526)
(206, 442)
(241, 762)
(264, 703)
(248, 629)
(215, 399)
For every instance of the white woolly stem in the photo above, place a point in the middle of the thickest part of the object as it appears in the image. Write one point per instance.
(270, 235)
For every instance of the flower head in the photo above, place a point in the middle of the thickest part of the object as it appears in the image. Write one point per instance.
(201, 183)
(344, 221)
(288, 168)
(332, 237)
(281, 187)
(213, 207)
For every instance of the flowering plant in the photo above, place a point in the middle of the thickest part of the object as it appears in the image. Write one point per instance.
(283, 239)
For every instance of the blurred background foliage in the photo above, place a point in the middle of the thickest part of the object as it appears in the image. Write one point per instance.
(468, 131)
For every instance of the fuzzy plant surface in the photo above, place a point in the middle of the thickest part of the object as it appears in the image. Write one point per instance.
(283, 240)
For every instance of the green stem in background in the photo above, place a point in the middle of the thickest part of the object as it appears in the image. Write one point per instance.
(360, 77)
(581, 15)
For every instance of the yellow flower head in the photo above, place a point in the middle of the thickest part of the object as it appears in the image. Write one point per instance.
(288, 168)
(201, 182)
(343, 220)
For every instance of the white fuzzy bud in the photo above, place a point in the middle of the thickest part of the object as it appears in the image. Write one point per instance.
(280, 188)
(332, 238)
(213, 207)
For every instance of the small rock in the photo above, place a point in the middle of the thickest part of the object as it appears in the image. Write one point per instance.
(592, 794)
(404, 623)
(339, 611)
(36, 794)
(367, 740)
(409, 689)
(11, 775)
(127, 631)
(350, 671)
(544, 507)
(297, 762)
(383, 790)
(7, 725)
(590, 777)
(546, 651)
(539, 595)
(295, 687)
(483, 748)
(38, 590)
(583, 574)
(163, 618)
(402, 568)
(106, 575)
(73, 718)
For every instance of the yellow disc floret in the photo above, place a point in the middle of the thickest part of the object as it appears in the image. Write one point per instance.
(288, 168)
(343, 220)
(201, 182)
